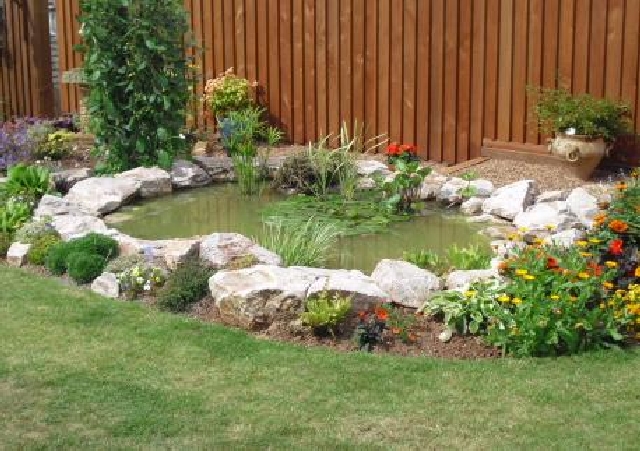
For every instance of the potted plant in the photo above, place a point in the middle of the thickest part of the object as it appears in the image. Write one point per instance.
(584, 127)
(225, 94)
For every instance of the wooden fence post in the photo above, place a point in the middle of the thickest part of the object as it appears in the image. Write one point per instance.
(39, 58)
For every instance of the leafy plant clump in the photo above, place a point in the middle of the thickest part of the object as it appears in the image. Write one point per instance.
(403, 192)
(37, 253)
(471, 257)
(33, 230)
(305, 243)
(124, 263)
(141, 279)
(58, 257)
(429, 260)
(139, 79)
(324, 314)
(14, 213)
(84, 267)
(33, 182)
(5, 242)
(226, 93)
(188, 284)
(557, 110)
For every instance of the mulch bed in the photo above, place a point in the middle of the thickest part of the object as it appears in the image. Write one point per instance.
(426, 343)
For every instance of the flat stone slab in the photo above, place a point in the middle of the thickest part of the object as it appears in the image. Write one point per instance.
(102, 195)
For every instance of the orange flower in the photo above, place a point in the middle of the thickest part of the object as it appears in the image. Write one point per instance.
(599, 219)
(395, 330)
(393, 149)
(618, 226)
(595, 268)
(382, 314)
(552, 263)
(621, 186)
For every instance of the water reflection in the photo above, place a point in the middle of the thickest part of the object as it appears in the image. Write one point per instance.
(222, 209)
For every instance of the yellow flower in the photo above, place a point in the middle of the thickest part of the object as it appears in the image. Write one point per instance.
(637, 272)
(551, 227)
(521, 272)
(470, 293)
(581, 243)
(522, 229)
(602, 306)
(517, 301)
(578, 326)
(528, 277)
(504, 298)
(611, 264)
(583, 275)
(513, 237)
(595, 240)
(538, 241)
(586, 254)
(554, 297)
(608, 285)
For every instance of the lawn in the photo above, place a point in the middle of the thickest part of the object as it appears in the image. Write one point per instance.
(78, 371)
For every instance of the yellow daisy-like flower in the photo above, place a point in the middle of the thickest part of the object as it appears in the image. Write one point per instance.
(608, 285)
(611, 264)
(586, 254)
(551, 227)
(637, 272)
(513, 237)
(583, 275)
(504, 298)
(470, 293)
(554, 297)
(602, 306)
(522, 229)
(595, 240)
(581, 243)
(517, 301)
(528, 277)
(521, 272)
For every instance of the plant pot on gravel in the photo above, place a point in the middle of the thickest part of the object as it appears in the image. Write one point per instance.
(581, 154)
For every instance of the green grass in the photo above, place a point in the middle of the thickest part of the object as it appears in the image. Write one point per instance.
(81, 372)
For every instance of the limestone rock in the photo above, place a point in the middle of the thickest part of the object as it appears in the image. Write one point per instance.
(541, 216)
(366, 183)
(185, 174)
(405, 283)
(64, 180)
(101, 195)
(17, 254)
(369, 168)
(472, 206)
(106, 285)
(432, 185)
(75, 226)
(221, 249)
(552, 196)
(460, 280)
(176, 252)
(450, 190)
(583, 205)
(219, 168)
(153, 181)
(507, 201)
(565, 238)
(55, 206)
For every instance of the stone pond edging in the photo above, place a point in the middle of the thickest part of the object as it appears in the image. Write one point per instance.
(257, 296)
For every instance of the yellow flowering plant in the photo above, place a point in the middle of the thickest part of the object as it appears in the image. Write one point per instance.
(556, 303)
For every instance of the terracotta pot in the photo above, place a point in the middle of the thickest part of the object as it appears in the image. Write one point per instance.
(581, 154)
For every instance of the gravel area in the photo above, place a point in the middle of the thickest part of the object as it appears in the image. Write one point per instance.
(549, 177)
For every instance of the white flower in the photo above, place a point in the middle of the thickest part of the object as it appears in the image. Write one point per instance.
(570, 131)
(182, 136)
(147, 286)
(140, 280)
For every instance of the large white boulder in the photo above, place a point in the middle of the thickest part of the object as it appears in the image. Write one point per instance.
(460, 280)
(101, 195)
(405, 283)
(106, 285)
(552, 196)
(56, 206)
(221, 249)
(17, 254)
(542, 216)
(369, 168)
(75, 226)
(185, 174)
(256, 297)
(64, 180)
(432, 185)
(472, 206)
(219, 168)
(507, 201)
(584, 205)
(153, 181)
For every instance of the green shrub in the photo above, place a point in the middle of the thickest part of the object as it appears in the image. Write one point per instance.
(37, 253)
(5, 242)
(324, 313)
(95, 243)
(83, 267)
(305, 243)
(31, 181)
(227, 93)
(188, 284)
(14, 213)
(56, 259)
(56, 146)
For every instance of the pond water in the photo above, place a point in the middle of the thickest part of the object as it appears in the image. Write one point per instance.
(222, 209)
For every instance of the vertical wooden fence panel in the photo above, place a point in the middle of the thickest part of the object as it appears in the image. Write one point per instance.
(26, 82)
(442, 74)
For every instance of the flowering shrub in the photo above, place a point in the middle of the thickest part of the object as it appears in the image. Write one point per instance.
(325, 313)
(141, 279)
(401, 152)
(385, 322)
(16, 143)
(227, 92)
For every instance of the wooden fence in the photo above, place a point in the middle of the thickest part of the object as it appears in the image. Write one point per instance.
(443, 74)
(26, 86)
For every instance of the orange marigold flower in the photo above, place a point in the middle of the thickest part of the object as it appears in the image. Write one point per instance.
(637, 272)
(382, 314)
(618, 226)
(599, 219)
(552, 263)
(621, 186)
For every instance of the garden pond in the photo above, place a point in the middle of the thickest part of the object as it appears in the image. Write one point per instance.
(222, 208)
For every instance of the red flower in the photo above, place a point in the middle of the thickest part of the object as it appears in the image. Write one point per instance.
(595, 268)
(552, 263)
(615, 247)
(393, 149)
(407, 148)
(382, 314)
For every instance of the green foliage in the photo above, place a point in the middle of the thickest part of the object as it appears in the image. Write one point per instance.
(227, 93)
(557, 110)
(30, 181)
(139, 79)
(6, 239)
(56, 259)
(96, 243)
(471, 257)
(33, 230)
(37, 253)
(325, 313)
(427, 259)
(141, 279)
(306, 243)
(124, 263)
(188, 284)
(468, 312)
(297, 173)
(403, 192)
(84, 267)
(56, 146)
(13, 214)
(355, 141)
(247, 172)
(469, 190)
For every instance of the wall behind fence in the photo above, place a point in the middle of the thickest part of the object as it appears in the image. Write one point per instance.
(443, 74)
(26, 87)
